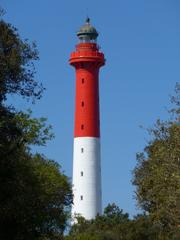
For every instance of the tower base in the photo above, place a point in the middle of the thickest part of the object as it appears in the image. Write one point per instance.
(87, 177)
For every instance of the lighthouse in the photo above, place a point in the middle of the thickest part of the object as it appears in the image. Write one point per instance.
(87, 60)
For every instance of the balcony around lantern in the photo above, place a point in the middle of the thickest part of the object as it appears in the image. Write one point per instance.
(87, 56)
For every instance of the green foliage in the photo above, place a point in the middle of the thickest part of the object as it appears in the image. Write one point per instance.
(157, 175)
(113, 225)
(34, 131)
(16, 64)
(21, 128)
(100, 228)
(35, 195)
(175, 100)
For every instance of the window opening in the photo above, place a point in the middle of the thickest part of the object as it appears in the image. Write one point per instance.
(82, 80)
(81, 174)
(81, 197)
(82, 150)
(82, 126)
(82, 103)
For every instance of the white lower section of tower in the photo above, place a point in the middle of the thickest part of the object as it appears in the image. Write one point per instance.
(87, 177)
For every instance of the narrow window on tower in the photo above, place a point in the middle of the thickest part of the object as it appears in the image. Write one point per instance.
(82, 103)
(81, 174)
(82, 80)
(82, 150)
(81, 197)
(82, 126)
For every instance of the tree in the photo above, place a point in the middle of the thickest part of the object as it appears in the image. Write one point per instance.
(35, 195)
(113, 225)
(157, 175)
(17, 69)
(102, 227)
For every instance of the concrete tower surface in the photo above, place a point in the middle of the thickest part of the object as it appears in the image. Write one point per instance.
(87, 60)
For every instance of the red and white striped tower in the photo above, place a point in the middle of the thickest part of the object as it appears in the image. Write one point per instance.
(87, 59)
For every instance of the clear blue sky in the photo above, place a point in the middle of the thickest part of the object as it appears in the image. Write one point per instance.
(141, 42)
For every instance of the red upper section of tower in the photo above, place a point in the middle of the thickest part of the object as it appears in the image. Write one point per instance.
(87, 60)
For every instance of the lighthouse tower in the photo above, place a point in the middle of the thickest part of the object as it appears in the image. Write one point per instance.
(87, 60)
